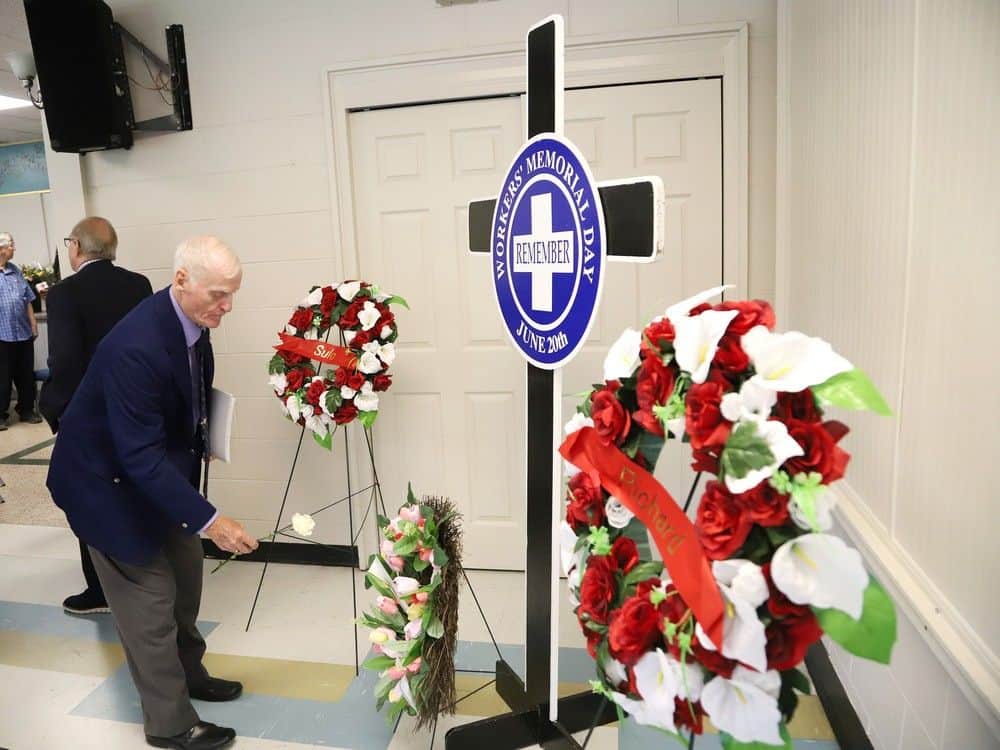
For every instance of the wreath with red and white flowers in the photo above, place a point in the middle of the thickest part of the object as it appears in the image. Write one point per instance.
(720, 625)
(359, 357)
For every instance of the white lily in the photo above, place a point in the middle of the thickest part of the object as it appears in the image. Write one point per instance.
(294, 407)
(822, 571)
(742, 708)
(623, 356)
(366, 400)
(752, 404)
(348, 290)
(618, 515)
(313, 298)
(743, 635)
(697, 339)
(744, 578)
(615, 671)
(783, 447)
(791, 361)
(318, 422)
(279, 382)
(387, 353)
(368, 316)
(644, 714)
(657, 683)
(681, 309)
(369, 363)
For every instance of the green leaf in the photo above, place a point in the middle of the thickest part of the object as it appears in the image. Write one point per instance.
(397, 300)
(411, 499)
(642, 572)
(745, 451)
(367, 418)
(649, 445)
(731, 743)
(275, 365)
(798, 680)
(420, 565)
(778, 535)
(378, 662)
(851, 390)
(405, 546)
(326, 441)
(333, 401)
(440, 557)
(871, 637)
(435, 628)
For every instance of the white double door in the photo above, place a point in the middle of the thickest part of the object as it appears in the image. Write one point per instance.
(453, 423)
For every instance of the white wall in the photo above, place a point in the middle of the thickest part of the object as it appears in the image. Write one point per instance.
(254, 170)
(24, 217)
(891, 114)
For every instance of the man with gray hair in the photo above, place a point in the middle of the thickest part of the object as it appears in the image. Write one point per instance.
(82, 309)
(125, 469)
(18, 331)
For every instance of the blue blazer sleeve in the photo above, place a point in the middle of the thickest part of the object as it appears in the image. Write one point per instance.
(132, 390)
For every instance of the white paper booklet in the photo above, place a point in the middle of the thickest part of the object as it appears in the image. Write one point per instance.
(220, 426)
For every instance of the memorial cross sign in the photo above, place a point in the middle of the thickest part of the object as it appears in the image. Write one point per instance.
(548, 235)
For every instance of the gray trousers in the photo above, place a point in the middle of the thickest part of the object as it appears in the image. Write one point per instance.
(155, 607)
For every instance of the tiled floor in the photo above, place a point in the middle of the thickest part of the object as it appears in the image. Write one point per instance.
(63, 683)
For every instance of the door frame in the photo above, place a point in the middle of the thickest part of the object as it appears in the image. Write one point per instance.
(711, 50)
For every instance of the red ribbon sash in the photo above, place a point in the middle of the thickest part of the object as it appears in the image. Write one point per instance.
(673, 532)
(318, 350)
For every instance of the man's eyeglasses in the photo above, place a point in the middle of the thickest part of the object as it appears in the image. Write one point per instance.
(67, 240)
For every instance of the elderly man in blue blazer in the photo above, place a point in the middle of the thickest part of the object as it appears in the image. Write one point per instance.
(125, 469)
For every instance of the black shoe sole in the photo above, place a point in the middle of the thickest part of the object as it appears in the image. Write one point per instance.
(181, 745)
(216, 699)
(88, 611)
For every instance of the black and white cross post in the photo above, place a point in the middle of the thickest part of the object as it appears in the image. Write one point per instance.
(547, 236)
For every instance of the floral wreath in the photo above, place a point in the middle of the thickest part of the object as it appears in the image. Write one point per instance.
(719, 627)
(360, 366)
(414, 620)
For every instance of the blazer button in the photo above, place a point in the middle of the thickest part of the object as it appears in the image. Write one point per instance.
(184, 525)
(116, 480)
(191, 450)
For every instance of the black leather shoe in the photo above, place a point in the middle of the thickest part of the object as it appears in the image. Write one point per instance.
(202, 736)
(32, 418)
(216, 690)
(85, 603)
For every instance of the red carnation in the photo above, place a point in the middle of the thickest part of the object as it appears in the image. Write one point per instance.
(730, 357)
(633, 630)
(329, 300)
(294, 379)
(611, 421)
(703, 418)
(360, 339)
(345, 413)
(597, 590)
(301, 319)
(315, 392)
(349, 318)
(788, 640)
(381, 382)
(821, 454)
(654, 384)
(340, 376)
(764, 505)
(721, 523)
(355, 380)
(586, 504)
(625, 553)
(291, 358)
(387, 319)
(801, 406)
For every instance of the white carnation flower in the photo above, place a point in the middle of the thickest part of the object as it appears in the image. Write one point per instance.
(303, 524)
(369, 364)
(387, 353)
(313, 298)
(347, 392)
(366, 400)
(385, 333)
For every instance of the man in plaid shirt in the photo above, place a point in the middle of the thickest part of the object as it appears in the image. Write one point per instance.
(18, 331)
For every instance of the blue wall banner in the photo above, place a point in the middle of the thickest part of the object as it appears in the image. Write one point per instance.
(548, 251)
(22, 168)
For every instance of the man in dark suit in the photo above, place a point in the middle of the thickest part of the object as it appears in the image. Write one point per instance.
(125, 469)
(81, 311)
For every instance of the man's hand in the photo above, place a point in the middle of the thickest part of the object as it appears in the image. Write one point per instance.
(230, 536)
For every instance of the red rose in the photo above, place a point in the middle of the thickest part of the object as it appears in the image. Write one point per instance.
(730, 356)
(340, 377)
(821, 454)
(611, 421)
(801, 406)
(754, 312)
(349, 318)
(360, 339)
(355, 380)
(788, 640)
(291, 358)
(329, 300)
(294, 379)
(703, 419)
(301, 319)
(625, 553)
(586, 504)
(660, 334)
(345, 413)
(705, 459)
(721, 523)
(597, 590)
(654, 383)
(688, 715)
(633, 630)
(315, 392)
(381, 382)
(764, 505)
(387, 319)
(649, 422)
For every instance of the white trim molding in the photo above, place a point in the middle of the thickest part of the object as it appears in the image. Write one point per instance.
(962, 652)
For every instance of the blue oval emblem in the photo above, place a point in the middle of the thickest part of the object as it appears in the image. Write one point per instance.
(548, 251)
